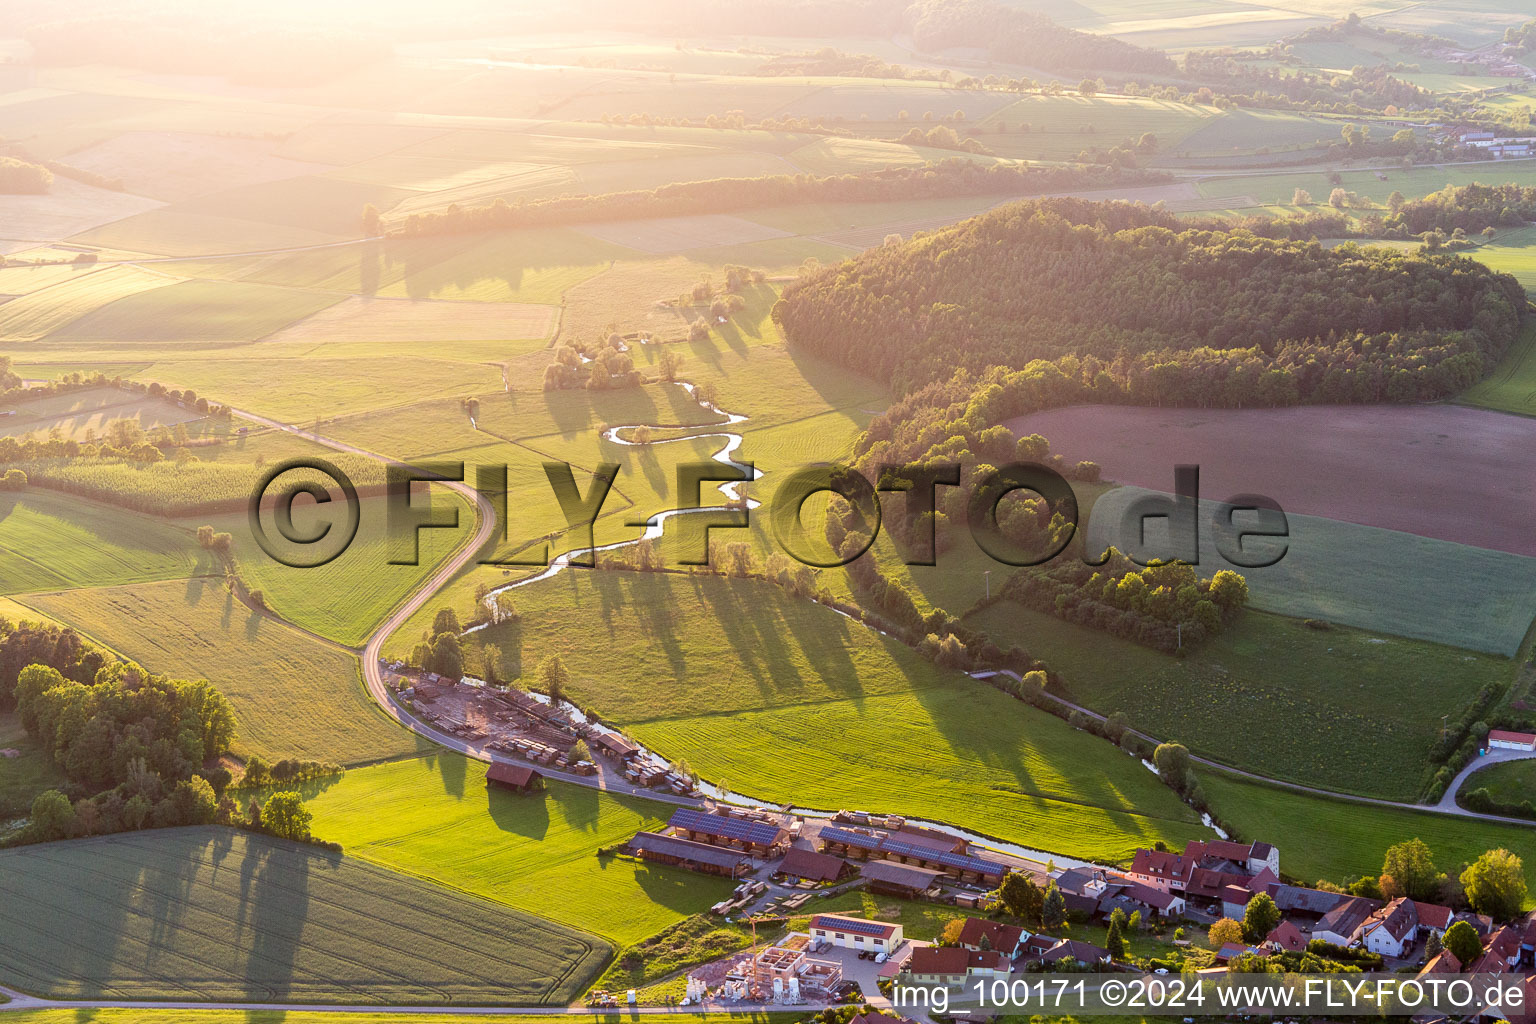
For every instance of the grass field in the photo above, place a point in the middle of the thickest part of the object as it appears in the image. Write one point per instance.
(1280, 187)
(211, 914)
(357, 319)
(762, 691)
(26, 774)
(293, 696)
(1513, 253)
(1062, 126)
(436, 818)
(1511, 387)
(54, 542)
(1357, 834)
(344, 599)
(511, 266)
(1508, 783)
(48, 309)
(196, 311)
(1359, 710)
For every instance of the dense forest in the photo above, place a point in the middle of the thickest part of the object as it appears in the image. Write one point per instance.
(956, 177)
(1128, 304)
(1471, 208)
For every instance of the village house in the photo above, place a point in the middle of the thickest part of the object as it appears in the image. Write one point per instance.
(1074, 951)
(980, 935)
(1391, 930)
(952, 966)
(1204, 869)
(1286, 938)
(1341, 924)
(856, 932)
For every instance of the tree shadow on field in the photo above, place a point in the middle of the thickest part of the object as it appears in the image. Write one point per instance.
(277, 893)
(524, 814)
(676, 889)
(580, 806)
(452, 768)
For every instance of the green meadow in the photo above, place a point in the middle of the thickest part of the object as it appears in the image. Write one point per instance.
(762, 692)
(53, 541)
(436, 818)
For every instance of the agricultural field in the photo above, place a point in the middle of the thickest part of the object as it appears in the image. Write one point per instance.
(371, 320)
(1358, 834)
(207, 311)
(1360, 708)
(211, 914)
(56, 542)
(1514, 253)
(435, 818)
(1279, 187)
(293, 695)
(52, 308)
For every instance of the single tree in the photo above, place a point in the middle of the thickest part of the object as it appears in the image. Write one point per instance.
(1463, 942)
(1172, 761)
(1495, 884)
(53, 817)
(1021, 897)
(1260, 918)
(553, 677)
(1224, 931)
(950, 936)
(579, 751)
(1053, 908)
(1411, 868)
(1114, 941)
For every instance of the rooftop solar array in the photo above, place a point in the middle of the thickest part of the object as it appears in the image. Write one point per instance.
(854, 925)
(738, 829)
(891, 845)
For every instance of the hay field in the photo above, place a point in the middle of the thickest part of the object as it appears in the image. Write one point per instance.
(52, 542)
(293, 696)
(48, 309)
(436, 818)
(364, 319)
(210, 914)
(208, 311)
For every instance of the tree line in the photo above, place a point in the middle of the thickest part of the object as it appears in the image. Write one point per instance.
(23, 177)
(1116, 301)
(947, 178)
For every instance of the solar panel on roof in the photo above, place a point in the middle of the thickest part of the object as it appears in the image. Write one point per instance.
(851, 924)
(890, 844)
(727, 828)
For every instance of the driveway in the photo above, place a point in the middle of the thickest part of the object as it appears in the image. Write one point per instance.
(1448, 802)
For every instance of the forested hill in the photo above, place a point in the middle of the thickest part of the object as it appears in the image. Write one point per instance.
(1129, 304)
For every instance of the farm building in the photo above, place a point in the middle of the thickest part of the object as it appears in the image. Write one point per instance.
(904, 880)
(711, 860)
(810, 866)
(856, 932)
(517, 777)
(1504, 739)
(952, 966)
(1341, 924)
(612, 745)
(903, 848)
(764, 838)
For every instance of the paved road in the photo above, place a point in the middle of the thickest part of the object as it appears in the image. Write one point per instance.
(1448, 802)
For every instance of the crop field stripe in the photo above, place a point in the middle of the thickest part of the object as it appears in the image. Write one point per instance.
(111, 861)
(171, 897)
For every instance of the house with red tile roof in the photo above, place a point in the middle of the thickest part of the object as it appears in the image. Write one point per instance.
(952, 966)
(1286, 938)
(979, 935)
(1443, 962)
